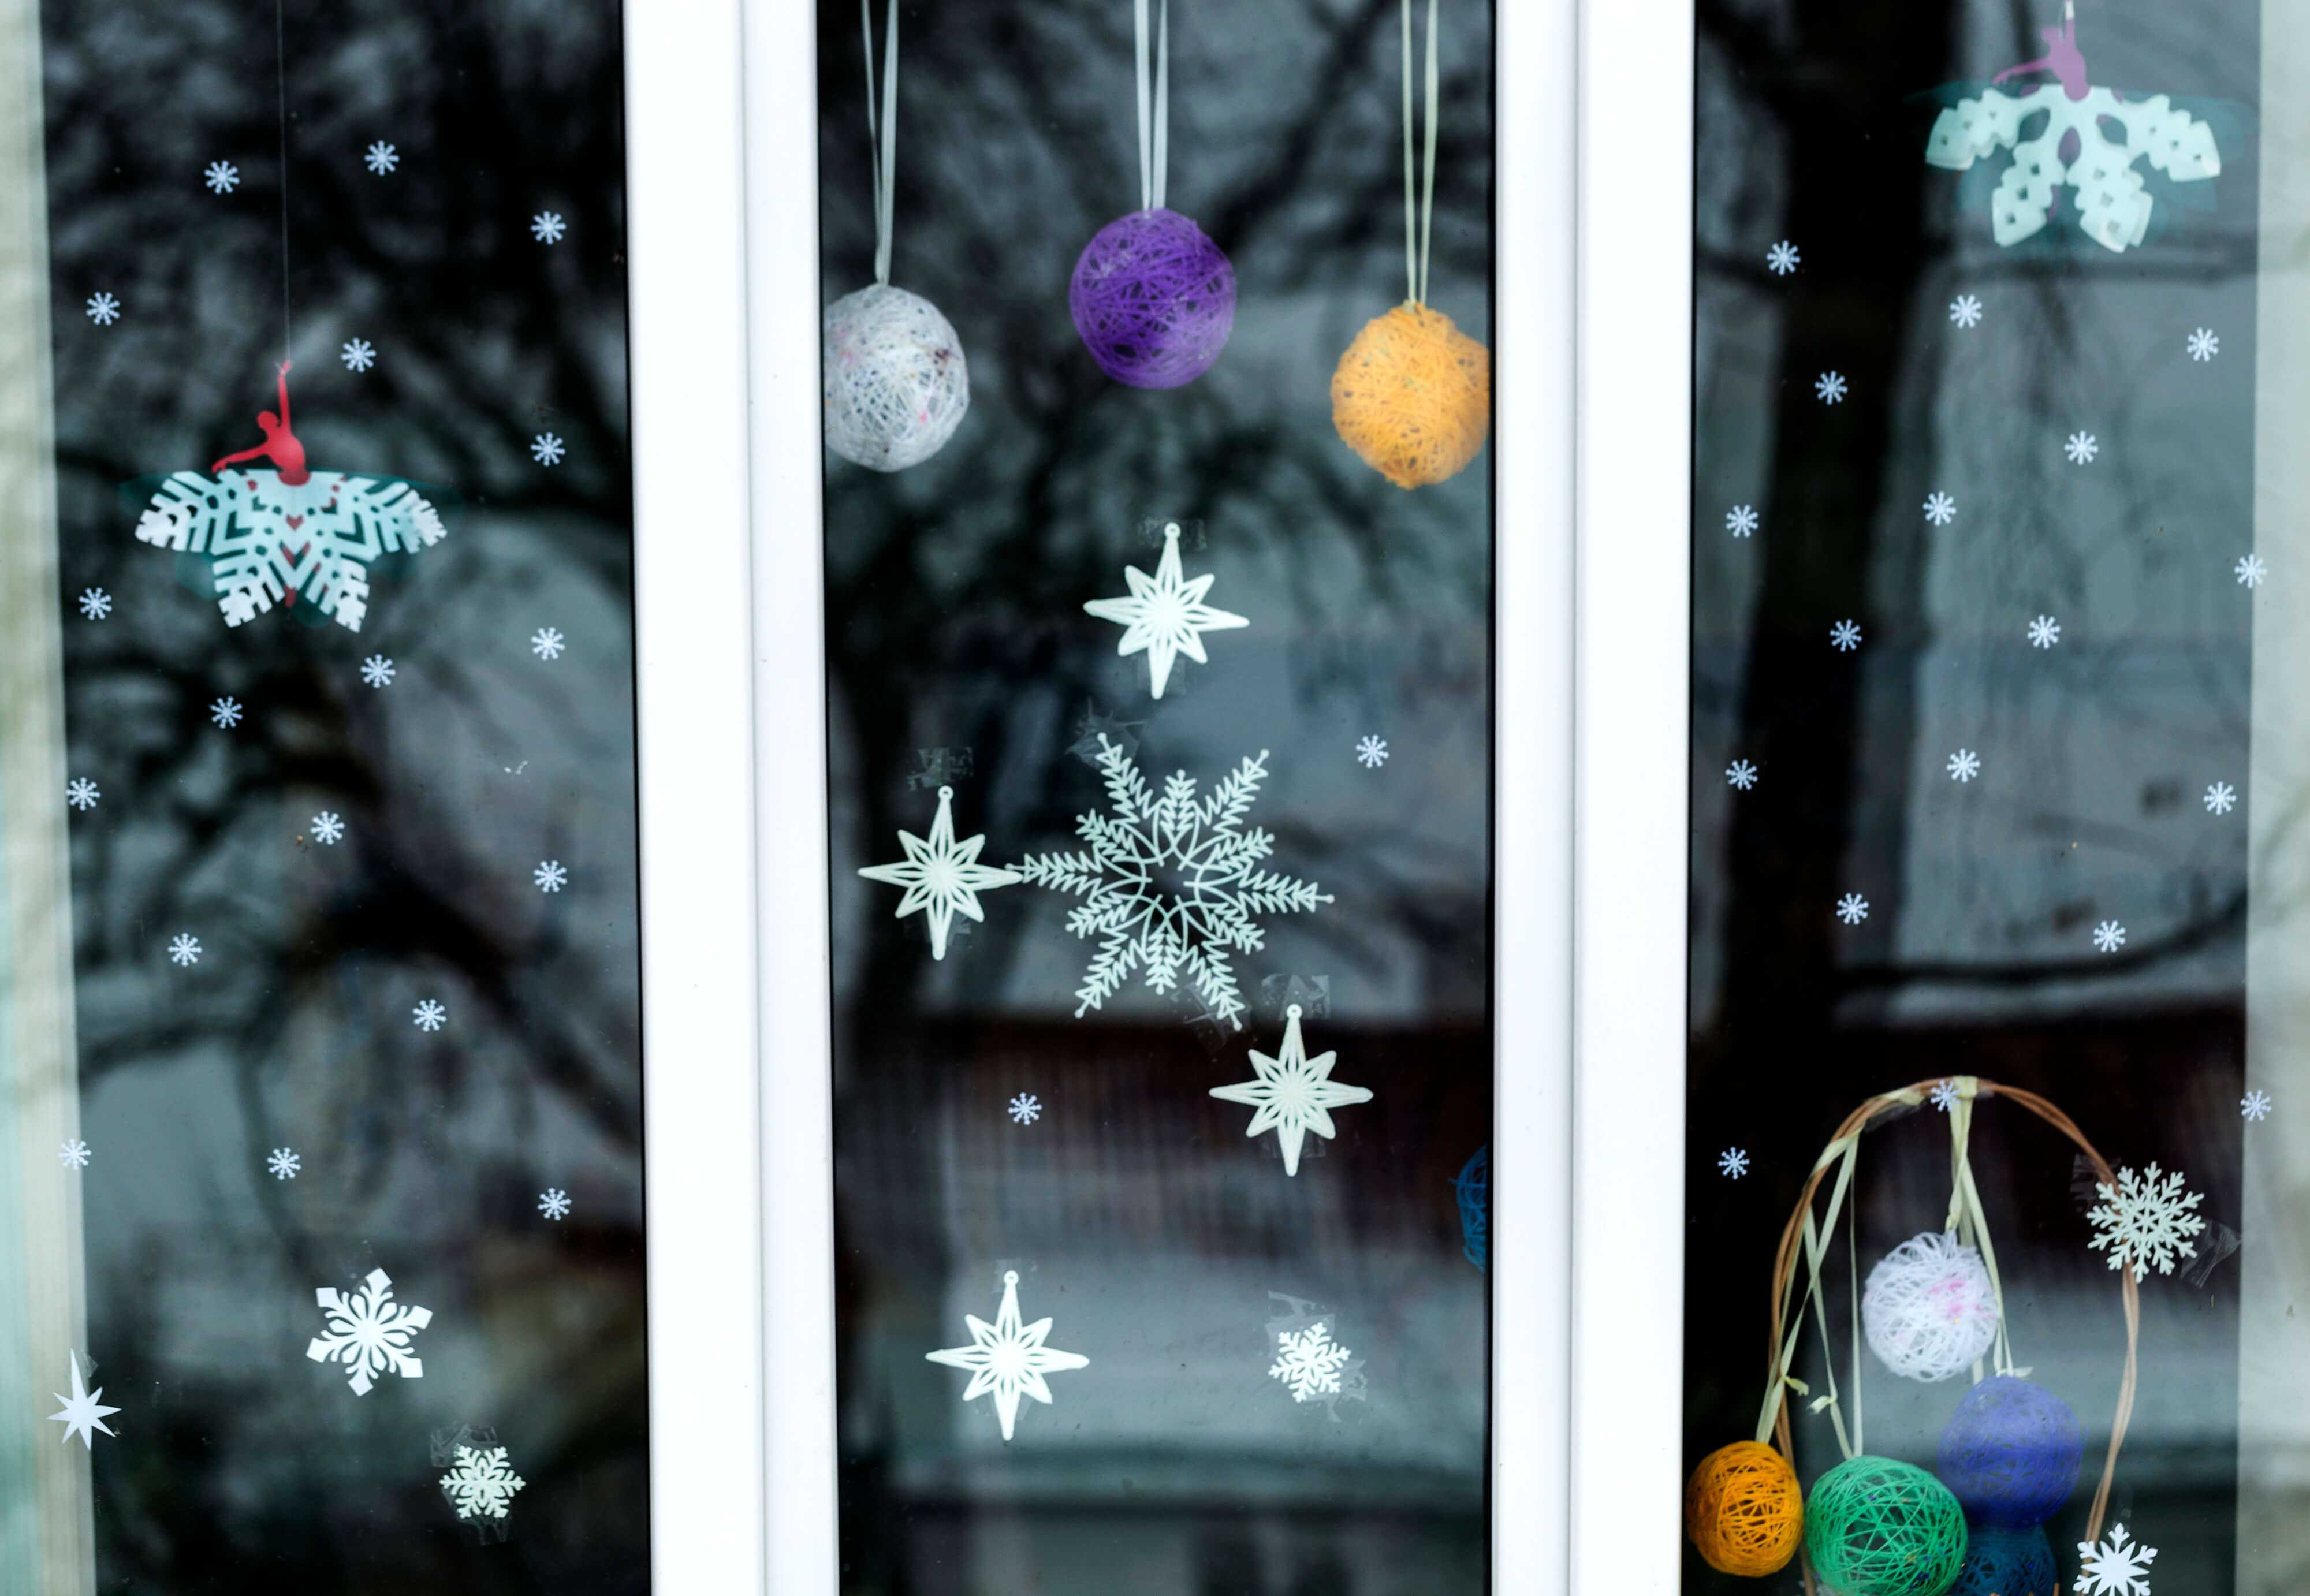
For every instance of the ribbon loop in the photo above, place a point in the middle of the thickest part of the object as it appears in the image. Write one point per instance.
(1418, 221)
(1154, 105)
(882, 138)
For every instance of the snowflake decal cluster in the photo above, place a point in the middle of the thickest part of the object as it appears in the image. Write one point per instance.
(1309, 1362)
(368, 1332)
(2145, 1221)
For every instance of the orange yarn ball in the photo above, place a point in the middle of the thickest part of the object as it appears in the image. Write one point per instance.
(1744, 1509)
(1413, 396)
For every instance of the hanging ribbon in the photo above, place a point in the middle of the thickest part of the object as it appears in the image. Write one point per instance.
(1846, 1153)
(882, 138)
(1418, 222)
(1155, 106)
(1969, 1220)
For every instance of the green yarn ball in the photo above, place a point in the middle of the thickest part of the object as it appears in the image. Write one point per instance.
(1875, 1527)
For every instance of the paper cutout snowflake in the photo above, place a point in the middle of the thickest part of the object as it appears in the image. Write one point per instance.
(547, 449)
(1944, 1096)
(547, 227)
(2045, 632)
(1732, 1163)
(428, 1015)
(546, 643)
(2146, 1221)
(328, 828)
(184, 949)
(1829, 387)
(82, 1413)
(102, 309)
(1964, 764)
(222, 176)
(368, 1332)
(2251, 571)
(1309, 1362)
(2081, 449)
(1782, 258)
(1170, 884)
(382, 157)
(941, 875)
(1740, 520)
(73, 1154)
(2109, 936)
(1008, 1358)
(2111, 199)
(359, 354)
(1165, 616)
(1026, 1108)
(2254, 1106)
(95, 603)
(1293, 1094)
(82, 792)
(1853, 908)
(1965, 310)
(1844, 636)
(480, 1483)
(283, 1164)
(377, 671)
(1941, 510)
(2220, 798)
(549, 875)
(553, 1202)
(2204, 345)
(1740, 774)
(2114, 1566)
(269, 541)
(1372, 751)
(226, 712)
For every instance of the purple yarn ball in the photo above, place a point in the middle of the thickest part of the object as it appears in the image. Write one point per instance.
(2010, 1452)
(1153, 299)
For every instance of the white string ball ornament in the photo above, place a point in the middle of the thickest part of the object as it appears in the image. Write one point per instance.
(1929, 1311)
(895, 383)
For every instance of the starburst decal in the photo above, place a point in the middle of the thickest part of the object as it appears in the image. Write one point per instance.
(82, 1413)
(941, 875)
(1165, 616)
(1008, 1358)
(1293, 1094)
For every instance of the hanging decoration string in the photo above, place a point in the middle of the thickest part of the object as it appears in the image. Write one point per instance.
(1154, 106)
(1419, 221)
(1845, 1154)
(882, 138)
(1969, 1220)
(280, 89)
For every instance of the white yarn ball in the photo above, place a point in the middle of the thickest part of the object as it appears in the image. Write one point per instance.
(1928, 1309)
(896, 384)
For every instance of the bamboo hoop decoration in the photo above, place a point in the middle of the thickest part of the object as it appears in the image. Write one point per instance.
(1799, 1236)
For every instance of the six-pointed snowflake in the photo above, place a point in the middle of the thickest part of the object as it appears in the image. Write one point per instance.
(1373, 752)
(480, 1484)
(550, 876)
(2204, 346)
(1829, 387)
(222, 176)
(1740, 774)
(1853, 908)
(2045, 632)
(2081, 449)
(283, 1164)
(1964, 764)
(73, 1154)
(546, 643)
(2109, 936)
(2220, 798)
(1844, 636)
(1026, 1108)
(428, 1015)
(1941, 510)
(546, 448)
(328, 828)
(1742, 520)
(377, 670)
(553, 1202)
(1293, 1094)
(547, 227)
(1732, 1163)
(359, 354)
(382, 157)
(1944, 1096)
(1008, 1358)
(368, 1332)
(1309, 1362)
(82, 1413)
(1164, 616)
(1169, 884)
(2145, 1221)
(1781, 259)
(102, 309)
(2250, 571)
(1965, 310)
(941, 875)
(2254, 1106)
(95, 603)
(184, 949)
(2114, 1566)
(81, 793)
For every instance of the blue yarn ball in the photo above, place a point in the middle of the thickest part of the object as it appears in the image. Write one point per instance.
(2010, 1452)
(2005, 1562)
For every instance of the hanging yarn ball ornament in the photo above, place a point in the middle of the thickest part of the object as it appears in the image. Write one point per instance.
(896, 384)
(1153, 299)
(2005, 1562)
(1929, 1310)
(1744, 1510)
(1875, 1527)
(2012, 1452)
(1413, 396)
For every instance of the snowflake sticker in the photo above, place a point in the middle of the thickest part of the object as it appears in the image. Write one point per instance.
(83, 1414)
(95, 603)
(1964, 764)
(1941, 510)
(73, 1154)
(546, 448)
(382, 157)
(2254, 1106)
(82, 792)
(2045, 632)
(1965, 310)
(1293, 1094)
(428, 1015)
(1844, 636)
(1372, 752)
(328, 828)
(941, 875)
(2081, 449)
(184, 949)
(2145, 1221)
(368, 1332)
(1026, 1108)
(222, 176)
(2250, 571)
(1309, 1362)
(377, 671)
(102, 309)
(546, 643)
(547, 227)
(359, 354)
(1944, 1096)
(1165, 616)
(1742, 520)
(553, 1202)
(2116, 1566)
(480, 1484)
(1740, 774)
(226, 712)
(550, 876)
(1008, 1358)
(1168, 884)
(2109, 936)
(1732, 1163)
(2220, 798)
(283, 1164)
(2204, 346)
(1853, 908)
(1829, 387)
(1781, 259)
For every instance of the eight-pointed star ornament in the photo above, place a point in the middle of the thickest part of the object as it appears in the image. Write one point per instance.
(1165, 617)
(1008, 1358)
(941, 875)
(83, 1414)
(1294, 1093)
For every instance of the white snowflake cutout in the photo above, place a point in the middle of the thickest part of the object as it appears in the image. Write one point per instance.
(1309, 1362)
(941, 874)
(480, 1483)
(1165, 616)
(368, 1332)
(2116, 1566)
(1293, 1094)
(1008, 1358)
(2146, 1221)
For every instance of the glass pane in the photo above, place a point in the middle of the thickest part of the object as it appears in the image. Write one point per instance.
(1979, 785)
(323, 1118)
(1259, 836)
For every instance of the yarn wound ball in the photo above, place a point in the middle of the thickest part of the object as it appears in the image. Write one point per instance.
(2006, 1562)
(1413, 396)
(1876, 1527)
(1153, 299)
(895, 382)
(1928, 1309)
(1744, 1510)
(2012, 1452)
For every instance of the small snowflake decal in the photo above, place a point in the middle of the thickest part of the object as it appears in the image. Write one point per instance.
(184, 949)
(328, 828)
(1964, 764)
(283, 1164)
(368, 1332)
(2250, 571)
(1740, 774)
(1293, 1094)
(1829, 388)
(546, 642)
(479, 1484)
(103, 309)
(81, 793)
(546, 449)
(1742, 520)
(1941, 510)
(222, 176)
(1372, 752)
(2109, 936)
(547, 227)
(1853, 908)
(2045, 632)
(2145, 1221)
(1944, 1096)
(1309, 1362)
(359, 354)
(428, 1015)
(1026, 1108)
(226, 712)
(1844, 636)
(2220, 798)
(1781, 259)
(382, 157)
(553, 1202)
(73, 1154)
(2114, 1566)
(377, 670)
(550, 876)
(2254, 1106)
(2203, 345)
(1008, 1358)
(2081, 449)
(1965, 310)
(95, 603)
(1732, 1163)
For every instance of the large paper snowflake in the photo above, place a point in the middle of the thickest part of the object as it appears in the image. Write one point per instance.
(1309, 1362)
(267, 539)
(2113, 204)
(1008, 1358)
(2146, 1221)
(480, 1483)
(1169, 883)
(1294, 1094)
(370, 1332)
(2115, 1566)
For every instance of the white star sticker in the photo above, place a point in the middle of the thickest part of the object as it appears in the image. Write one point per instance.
(1165, 617)
(1008, 1358)
(83, 1414)
(1293, 1093)
(941, 875)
